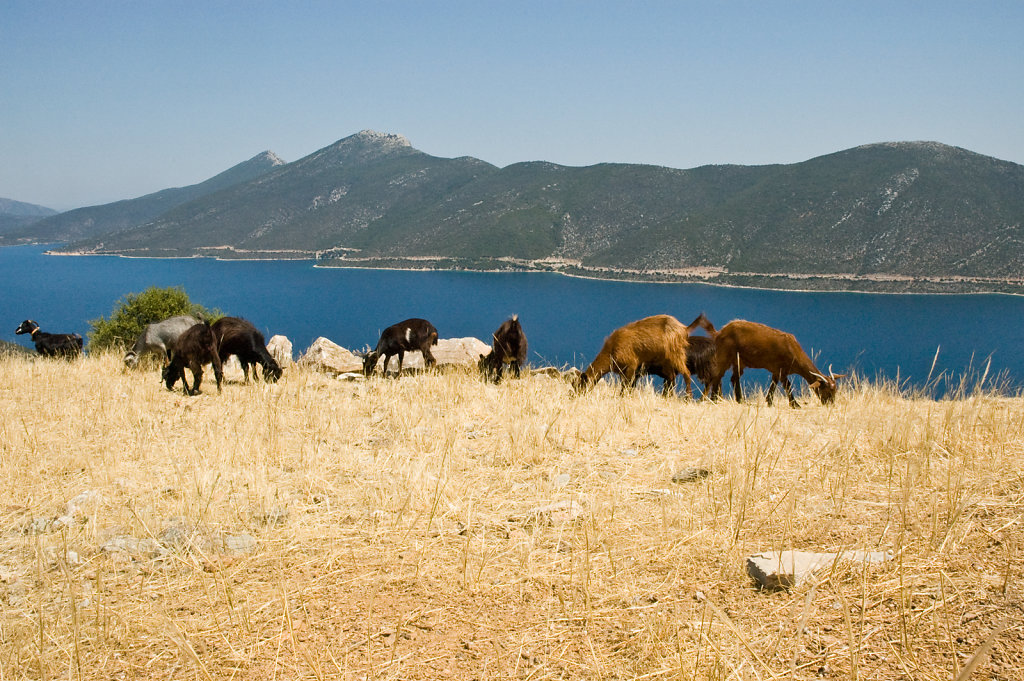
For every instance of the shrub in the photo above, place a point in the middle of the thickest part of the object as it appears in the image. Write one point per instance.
(133, 312)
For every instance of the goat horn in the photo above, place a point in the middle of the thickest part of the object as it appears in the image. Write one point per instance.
(830, 374)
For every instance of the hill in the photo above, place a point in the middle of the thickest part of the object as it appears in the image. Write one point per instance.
(17, 214)
(891, 216)
(95, 221)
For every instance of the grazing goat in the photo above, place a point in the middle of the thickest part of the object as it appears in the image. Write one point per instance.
(509, 347)
(397, 339)
(700, 355)
(194, 348)
(658, 341)
(158, 338)
(744, 345)
(236, 336)
(67, 345)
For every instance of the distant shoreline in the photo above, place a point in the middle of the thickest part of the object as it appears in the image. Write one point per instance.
(830, 283)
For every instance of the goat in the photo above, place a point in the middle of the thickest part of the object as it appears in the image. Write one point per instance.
(194, 348)
(237, 336)
(509, 347)
(397, 339)
(658, 341)
(158, 338)
(700, 355)
(66, 345)
(744, 345)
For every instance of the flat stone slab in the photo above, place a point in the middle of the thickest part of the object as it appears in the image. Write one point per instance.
(775, 570)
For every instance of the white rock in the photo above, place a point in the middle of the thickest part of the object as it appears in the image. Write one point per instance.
(325, 355)
(280, 348)
(459, 351)
(784, 569)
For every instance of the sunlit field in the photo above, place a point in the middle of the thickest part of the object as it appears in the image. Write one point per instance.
(438, 527)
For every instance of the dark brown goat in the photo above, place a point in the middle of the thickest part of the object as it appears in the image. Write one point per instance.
(658, 341)
(237, 336)
(742, 345)
(509, 347)
(193, 349)
(397, 339)
(67, 345)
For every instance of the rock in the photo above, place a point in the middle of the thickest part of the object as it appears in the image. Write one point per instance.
(324, 355)
(775, 570)
(174, 536)
(448, 351)
(132, 546)
(691, 475)
(233, 369)
(90, 498)
(560, 480)
(556, 513)
(232, 543)
(280, 348)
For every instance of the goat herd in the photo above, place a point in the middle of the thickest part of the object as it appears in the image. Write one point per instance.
(653, 346)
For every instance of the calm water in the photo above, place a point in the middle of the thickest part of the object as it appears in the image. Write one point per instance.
(565, 319)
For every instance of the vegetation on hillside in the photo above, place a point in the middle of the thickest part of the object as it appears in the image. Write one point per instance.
(869, 217)
(134, 311)
(437, 526)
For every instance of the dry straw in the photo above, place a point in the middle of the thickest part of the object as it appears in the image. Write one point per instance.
(440, 527)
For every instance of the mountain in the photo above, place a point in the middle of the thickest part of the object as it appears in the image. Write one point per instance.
(892, 216)
(95, 221)
(17, 214)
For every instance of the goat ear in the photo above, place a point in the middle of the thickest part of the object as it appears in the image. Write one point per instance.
(816, 384)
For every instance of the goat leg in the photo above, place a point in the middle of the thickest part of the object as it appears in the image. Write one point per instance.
(789, 392)
(736, 390)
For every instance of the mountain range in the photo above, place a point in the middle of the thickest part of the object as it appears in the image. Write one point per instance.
(892, 216)
(17, 214)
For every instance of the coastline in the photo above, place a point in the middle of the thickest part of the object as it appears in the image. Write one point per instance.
(773, 281)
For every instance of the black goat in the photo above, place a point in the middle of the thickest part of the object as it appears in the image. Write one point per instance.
(193, 349)
(67, 345)
(236, 336)
(509, 347)
(397, 339)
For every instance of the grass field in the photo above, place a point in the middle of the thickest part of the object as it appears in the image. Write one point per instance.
(390, 529)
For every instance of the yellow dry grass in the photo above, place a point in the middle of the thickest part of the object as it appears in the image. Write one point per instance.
(395, 539)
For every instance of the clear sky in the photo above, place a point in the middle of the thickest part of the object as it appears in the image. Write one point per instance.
(112, 99)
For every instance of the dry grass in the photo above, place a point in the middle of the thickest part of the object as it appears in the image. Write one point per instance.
(395, 540)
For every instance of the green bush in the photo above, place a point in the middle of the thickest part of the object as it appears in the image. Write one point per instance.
(133, 312)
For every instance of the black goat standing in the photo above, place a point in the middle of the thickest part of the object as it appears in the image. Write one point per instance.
(193, 349)
(397, 339)
(237, 336)
(509, 347)
(67, 345)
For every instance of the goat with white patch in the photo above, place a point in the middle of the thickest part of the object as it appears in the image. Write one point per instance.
(397, 339)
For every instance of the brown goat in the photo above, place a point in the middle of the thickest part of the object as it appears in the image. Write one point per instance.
(659, 341)
(744, 345)
(700, 356)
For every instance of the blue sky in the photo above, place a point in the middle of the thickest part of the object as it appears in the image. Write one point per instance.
(106, 100)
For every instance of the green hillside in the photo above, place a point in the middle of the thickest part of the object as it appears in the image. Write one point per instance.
(894, 216)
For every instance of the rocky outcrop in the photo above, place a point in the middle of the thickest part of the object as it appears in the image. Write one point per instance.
(329, 357)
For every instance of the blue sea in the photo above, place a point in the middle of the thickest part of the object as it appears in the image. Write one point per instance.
(565, 319)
